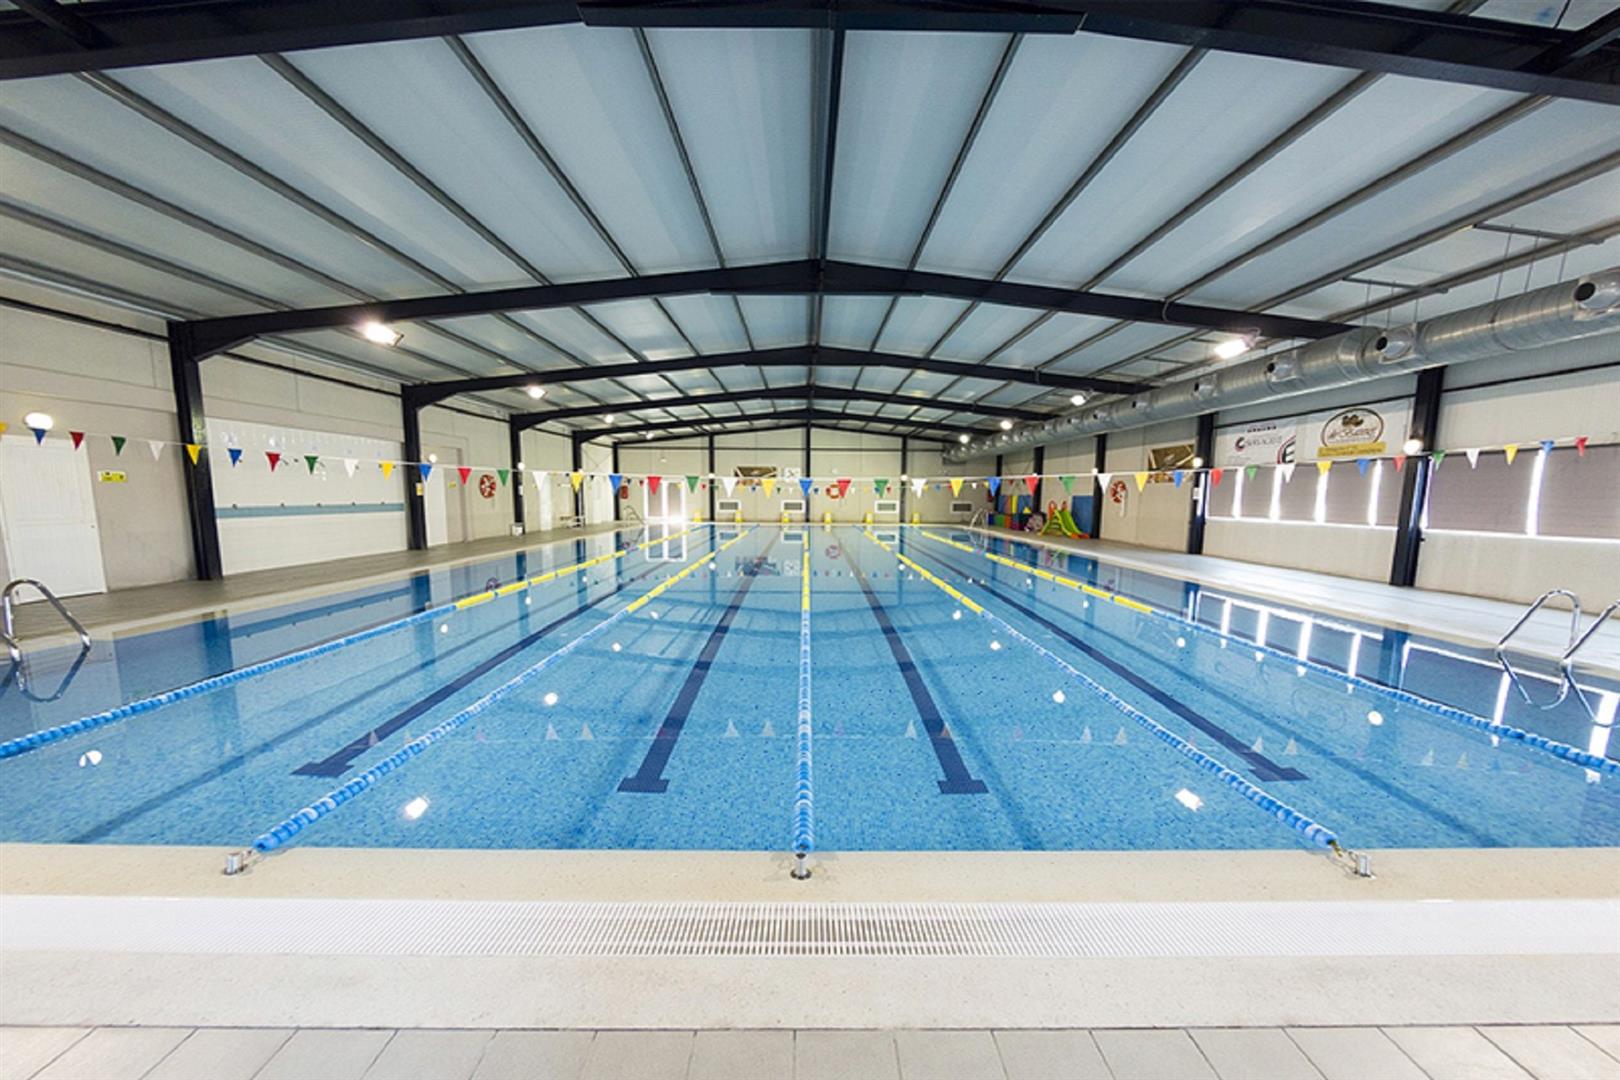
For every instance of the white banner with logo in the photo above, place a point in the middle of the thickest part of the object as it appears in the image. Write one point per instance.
(1358, 431)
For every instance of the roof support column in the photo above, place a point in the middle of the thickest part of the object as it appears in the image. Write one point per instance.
(905, 477)
(514, 444)
(712, 480)
(1415, 478)
(1099, 462)
(577, 463)
(616, 510)
(415, 505)
(1203, 450)
(185, 362)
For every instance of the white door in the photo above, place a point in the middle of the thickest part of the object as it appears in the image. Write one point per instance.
(434, 508)
(48, 516)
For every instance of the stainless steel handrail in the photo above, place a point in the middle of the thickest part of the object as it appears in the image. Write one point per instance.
(1566, 663)
(1574, 633)
(13, 646)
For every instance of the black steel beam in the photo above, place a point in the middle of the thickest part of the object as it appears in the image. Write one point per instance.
(199, 479)
(1425, 425)
(1099, 463)
(802, 277)
(1198, 511)
(791, 356)
(782, 393)
(514, 448)
(1518, 57)
(415, 505)
(814, 417)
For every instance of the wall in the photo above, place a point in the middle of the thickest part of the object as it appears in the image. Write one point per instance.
(1156, 516)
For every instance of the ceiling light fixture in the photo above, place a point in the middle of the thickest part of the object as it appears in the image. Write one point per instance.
(1077, 399)
(380, 334)
(1006, 425)
(535, 390)
(608, 419)
(963, 439)
(1232, 348)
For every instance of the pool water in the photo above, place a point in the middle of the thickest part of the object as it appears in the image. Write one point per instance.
(674, 725)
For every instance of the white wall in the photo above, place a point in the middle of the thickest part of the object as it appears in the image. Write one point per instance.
(1157, 516)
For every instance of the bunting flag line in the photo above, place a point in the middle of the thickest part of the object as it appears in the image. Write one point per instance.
(1176, 477)
(1362, 465)
(350, 465)
(1546, 446)
(1103, 479)
(576, 478)
(1250, 471)
(387, 468)
(540, 478)
(1033, 481)
(1215, 476)
(465, 472)
(692, 484)
(879, 484)
(615, 481)
(1511, 450)
(156, 446)
(39, 436)
(729, 483)
(1437, 457)
(312, 460)
(235, 453)
(274, 459)
(1473, 457)
(1287, 470)
(1580, 446)
(1322, 467)
(918, 483)
(77, 437)
(193, 450)
(424, 469)
(804, 486)
(956, 485)
(769, 483)
(995, 485)
(1400, 461)
(1141, 480)
(1068, 485)
(843, 486)
(502, 475)
(118, 442)
(653, 483)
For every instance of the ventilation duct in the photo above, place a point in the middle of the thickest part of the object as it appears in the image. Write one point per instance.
(1558, 313)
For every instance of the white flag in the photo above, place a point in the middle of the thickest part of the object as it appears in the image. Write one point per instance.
(156, 447)
(540, 478)
(1287, 471)
(350, 464)
(1473, 458)
(918, 483)
(1103, 478)
(730, 483)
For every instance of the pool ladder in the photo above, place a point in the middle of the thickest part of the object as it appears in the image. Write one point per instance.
(14, 646)
(1566, 661)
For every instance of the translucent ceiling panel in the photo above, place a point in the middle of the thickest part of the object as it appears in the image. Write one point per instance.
(907, 102)
(1050, 338)
(410, 365)
(851, 322)
(573, 332)
(917, 323)
(65, 198)
(71, 116)
(1228, 107)
(1390, 123)
(649, 386)
(985, 330)
(926, 382)
(711, 322)
(1023, 395)
(743, 378)
(696, 381)
(777, 320)
(1553, 140)
(1060, 103)
(884, 379)
(743, 101)
(783, 376)
(644, 327)
(588, 97)
(506, 339)
(248, 107)
(1132, 339)
(843, 377)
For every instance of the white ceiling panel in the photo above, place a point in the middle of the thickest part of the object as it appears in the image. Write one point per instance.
(777, 321)
(786, 376)
(1060, 103)
(744, 378)
(883, 379)
(908, 100)
(851, 322)
(570, 330)
(711, 322)
(1050, 338)
(248, 107)
(503, 337)
(917, 323)
(640, 324)
(1131, 339)
(743, 102)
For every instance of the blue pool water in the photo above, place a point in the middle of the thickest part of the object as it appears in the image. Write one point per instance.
(674, 726)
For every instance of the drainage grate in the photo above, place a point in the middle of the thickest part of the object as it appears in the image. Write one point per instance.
(525, 928)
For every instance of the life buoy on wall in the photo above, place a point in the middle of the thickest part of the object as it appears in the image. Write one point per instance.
(486, 485)
(1117, 493)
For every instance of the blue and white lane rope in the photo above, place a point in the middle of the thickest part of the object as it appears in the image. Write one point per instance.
(284, 831)
(1565, 751)
(1309, 828)
(34, 740)
(804, 810)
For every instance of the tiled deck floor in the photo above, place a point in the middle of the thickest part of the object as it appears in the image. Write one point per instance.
(1317, 1053)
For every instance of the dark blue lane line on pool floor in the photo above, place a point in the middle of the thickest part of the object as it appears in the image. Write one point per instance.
(958, 781)
(649, 779)
(1262, 766)
(338, 763)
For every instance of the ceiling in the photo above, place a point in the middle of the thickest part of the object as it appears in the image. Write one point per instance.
(569, 153)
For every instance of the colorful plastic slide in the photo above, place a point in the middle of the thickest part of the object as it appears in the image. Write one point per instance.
(1059, 520)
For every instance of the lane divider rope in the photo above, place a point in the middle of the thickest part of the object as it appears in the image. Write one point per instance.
(1309, 828)
(284, 831)
(1562, 750)
(804, 818)
(34, 740)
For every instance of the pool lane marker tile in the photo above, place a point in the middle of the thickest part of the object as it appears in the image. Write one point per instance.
(958, 781)
(649, 778)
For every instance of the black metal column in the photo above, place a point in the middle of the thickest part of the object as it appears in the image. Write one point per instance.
(713, 480)
(1415, 477)
(185, 372)
(995, 501)
(807, 471)
(578, 463)
(514, 443)
(1203, 449)
(410, 474)
(905, 479)
(1037, 468)
(1099, 462)
(615, 489)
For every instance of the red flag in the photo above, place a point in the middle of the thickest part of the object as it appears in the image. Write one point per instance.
(843, 487)
(1215, 476)
(1034, 483)
(464, 471)
(1400, 459)
(78, 437)
(275, 459)
(653, 482)
(1580, 445)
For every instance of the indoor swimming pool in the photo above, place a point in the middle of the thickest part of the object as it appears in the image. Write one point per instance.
(766, 688)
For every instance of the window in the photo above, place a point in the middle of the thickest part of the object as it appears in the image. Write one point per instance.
(1356, 498)
(1491, 497)
(1296, 501)
(1256, 498)
(1580, 495)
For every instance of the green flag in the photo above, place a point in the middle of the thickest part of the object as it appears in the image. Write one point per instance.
(1068, 485)
(503, 474)
(691, 483)
(312, 460)
(118, 444)
(1249, 471)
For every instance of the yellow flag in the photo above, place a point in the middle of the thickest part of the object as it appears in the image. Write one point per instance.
(576, 478)
(770, 485)
(956, 485)
(2, 427)
(192, 450)
(387, 468)
(1323, 466)
(1141, 480)
(1511, 450)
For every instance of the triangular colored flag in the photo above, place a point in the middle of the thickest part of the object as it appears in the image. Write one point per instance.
(918, 483)
(729, 483)
(39, 435)
(1176, 477)
(1103, 479)
(193, 450)
(615, 480)
(1068, 485)
(843, 486)
(387, 468)
(956, 485)
(878, 484)
(1437, 457)
(312, 460)
(1580, 445)
(576, 478)
(1400, 461)
(1362, 464)
(769, 484)
(424, 469)
(1473, 457)
(1215, 476)
(502, 475)
(463, 471)
(274, 459)
(3, 427)
(77, 437)
(1287, 470)
(349, 465)
(1323, 466)
(1546, 446)
(995, 485)
(653, 482)
(1512, 451)
(235, 453)
(1249, 471)
(156, 446)
(1141, 480)
(804, 486)
(691, 483)
(540, 477)
(118, 442)
(1033, 482)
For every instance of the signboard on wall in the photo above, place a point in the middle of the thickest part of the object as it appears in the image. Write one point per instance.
(755, 472)
(1358, 431)
(1162, 459)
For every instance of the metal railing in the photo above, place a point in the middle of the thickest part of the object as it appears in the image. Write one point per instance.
(1566, 661)
(14, 645)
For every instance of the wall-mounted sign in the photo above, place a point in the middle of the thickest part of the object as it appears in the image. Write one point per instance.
(111, 476)
(1162, 459)
(1361, 431)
